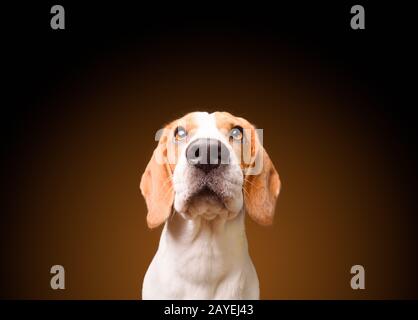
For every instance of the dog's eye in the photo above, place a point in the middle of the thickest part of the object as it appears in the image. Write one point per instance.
(180, 133)
(237, 133)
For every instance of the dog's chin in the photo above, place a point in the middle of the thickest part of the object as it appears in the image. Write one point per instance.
(208, 204)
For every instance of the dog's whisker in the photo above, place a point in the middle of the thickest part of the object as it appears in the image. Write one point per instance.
(252, 184)
(246, 192)
(166, 181)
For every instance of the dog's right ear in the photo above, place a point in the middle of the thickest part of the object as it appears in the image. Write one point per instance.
(262, 191)
(263, 188)
(156, 186)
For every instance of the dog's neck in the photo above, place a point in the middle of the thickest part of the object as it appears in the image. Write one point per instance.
(186, 231)
(202, 259)
(218, 244)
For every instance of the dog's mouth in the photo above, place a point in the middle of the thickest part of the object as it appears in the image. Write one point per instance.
(206, 203)
(207, 193)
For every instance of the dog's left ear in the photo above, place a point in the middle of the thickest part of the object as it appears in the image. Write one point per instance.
(262, 190)
(156, 187)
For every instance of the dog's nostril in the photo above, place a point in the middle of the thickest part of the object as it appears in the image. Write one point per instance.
(196, 153)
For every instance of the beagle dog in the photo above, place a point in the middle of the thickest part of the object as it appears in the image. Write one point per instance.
(206, 173)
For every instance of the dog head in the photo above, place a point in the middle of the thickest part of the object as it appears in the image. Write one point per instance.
(210, 165)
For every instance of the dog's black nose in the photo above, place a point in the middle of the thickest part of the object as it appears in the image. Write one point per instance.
(207, 154)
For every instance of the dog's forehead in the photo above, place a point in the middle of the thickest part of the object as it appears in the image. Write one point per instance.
(207, 122)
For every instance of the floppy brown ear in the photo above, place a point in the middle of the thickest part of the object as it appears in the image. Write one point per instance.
(261, 191)
(156, 187)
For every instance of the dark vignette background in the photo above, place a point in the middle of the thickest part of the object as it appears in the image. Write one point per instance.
(80, 108)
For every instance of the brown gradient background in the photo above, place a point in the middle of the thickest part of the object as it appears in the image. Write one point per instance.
(72, 193)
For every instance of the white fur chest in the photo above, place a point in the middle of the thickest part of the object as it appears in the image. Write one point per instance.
(199, 259)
